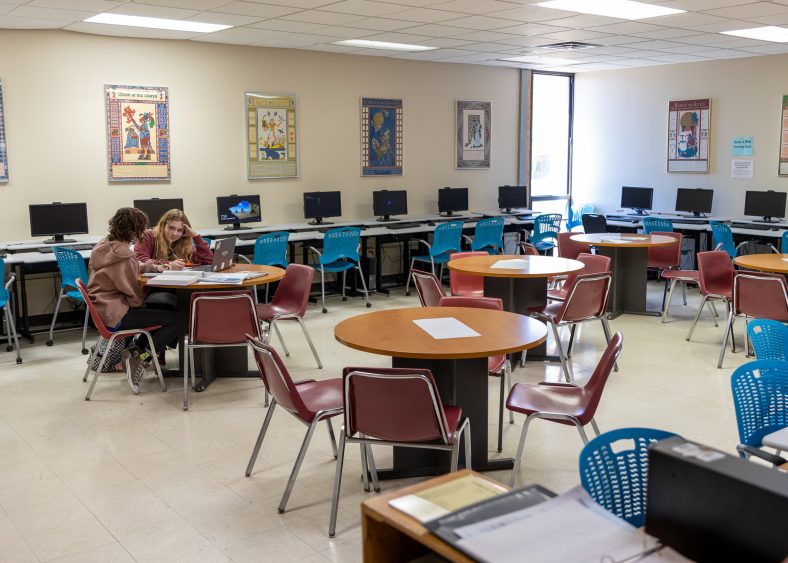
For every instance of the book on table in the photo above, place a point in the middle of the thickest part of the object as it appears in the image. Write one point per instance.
(175, 278)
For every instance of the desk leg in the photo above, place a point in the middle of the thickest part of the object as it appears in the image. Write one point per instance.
(24, 326)
(383, 543)
(628, 291)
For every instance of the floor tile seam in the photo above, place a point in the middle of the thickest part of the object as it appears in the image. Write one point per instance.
(19, 533)
(54, 560)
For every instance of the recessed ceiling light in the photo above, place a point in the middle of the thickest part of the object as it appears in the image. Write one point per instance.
(156, 23)
(383, 45)
(768, 33)
(542, 60)
(623, 9)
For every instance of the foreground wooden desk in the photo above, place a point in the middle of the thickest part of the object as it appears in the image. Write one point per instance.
(459, 366)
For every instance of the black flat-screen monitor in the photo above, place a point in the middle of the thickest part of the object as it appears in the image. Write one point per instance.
(696, 201)
(386, 203)
(154, 208)
(233, 210)
(58, 219)
(638, 199)
(319, 205)
(766, 204)
(512, 197)
(451, 200)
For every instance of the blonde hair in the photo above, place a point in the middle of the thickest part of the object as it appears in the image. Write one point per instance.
(182, 248)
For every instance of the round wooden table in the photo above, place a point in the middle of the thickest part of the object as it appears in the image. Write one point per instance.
(459, 366)
(777, 263)
(629, 253)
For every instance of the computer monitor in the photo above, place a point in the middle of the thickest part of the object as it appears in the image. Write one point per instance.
(386, 203)
(451, 200)
(638, 199)
(58, 219)
(766, 204)
(154, 208)
(319, 205)
(696, 201)
(232, 210)
(511, 197)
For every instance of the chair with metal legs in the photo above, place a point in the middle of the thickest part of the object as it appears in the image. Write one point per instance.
(528, 249)
(487, 236)
(563, 403)
(72, 267)
(340, 254)
(395, 407)
(310, 402)
(715, 274)
(7, 306)
(428, 287)
(445, 240)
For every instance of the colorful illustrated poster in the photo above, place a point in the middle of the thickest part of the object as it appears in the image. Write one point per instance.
(138, 139)
(381, 137)
(271, 132)
(3, 149)
(689, 124)
(783, 170)
(473, 134)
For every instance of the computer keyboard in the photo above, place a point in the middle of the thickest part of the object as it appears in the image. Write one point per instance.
(754, 226)
(397, 226)
(688, 221)
(49, 250)
(248, 236)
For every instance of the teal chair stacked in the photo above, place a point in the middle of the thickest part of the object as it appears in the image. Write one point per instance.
(660, 224)
(72, 267)
(784, 243)
(488, 236)
(575, 215)
(769, 339)
(721, 234)
(614, 470)
(270, 249)
(340, 254)
(545, 234)
(445, 241)
(8, 312)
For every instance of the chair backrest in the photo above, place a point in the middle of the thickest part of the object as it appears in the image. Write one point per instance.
(722, 234)
(465, 284)
(575, 215)
(292, 295)
(102, 329)
(760, 398)
(270, 249)
(784, 243)
(592, 264)
(596, 383)
(446, 238)
(546, 226)
(664, 257)
(715, 269)
(488, 235)
(492, 303)
(653, 224)
(341, 243)
(395, 404)
(222, 317)
(588, 297)
(277, 379)
(428, 287)
(760, 294)
(614, 470)
(594, 223)
(71, 266)
(528, 249)
(568, 248)
(5, 294)
(769, 339)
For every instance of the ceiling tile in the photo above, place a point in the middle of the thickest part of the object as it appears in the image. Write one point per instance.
(257, 10)
(305, 4)
(726, 25)
(50, 13)
(330, 48)
(576, 22)
(146, 11)
(485, 36)
(382, 24)
(574, 35)
(726, 54)
(493, 48)
(525, 41)
(667, 33)
(409, 39)
(717, 40)
(748, 11)
(700, 5)
(86, 5)
(532, 29)
(291, 26)
(363, 8)
(436, 30)
(653, 45)
(225, 19)
(771, 49)
(529, 13)
(341, 32)
(781, 19)
(13, 22)
(474, 6)
(685, 48)
(236, 35)
(618, 40)
(187, 4)
(678, 58)
(632, 27)
(686, 20)
(317, 16)
(425, 15)
(479, 22)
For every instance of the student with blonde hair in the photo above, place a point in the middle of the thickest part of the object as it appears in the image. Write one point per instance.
(173, 244)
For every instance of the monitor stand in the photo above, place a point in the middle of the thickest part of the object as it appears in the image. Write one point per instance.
(57, 239)
(450, 214)
(766, 219)
(639, 212)
(236, 227)
(319, 221)
(385, 219)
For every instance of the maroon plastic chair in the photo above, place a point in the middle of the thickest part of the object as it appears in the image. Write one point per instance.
(586, 301)
(110, 336)
(429, 288)
(466, 285)
(496, 365)
(395, 407)
(562, 402)
(568, 248)
(755, 295)
(528, 249)
(217, 319)
(715, 274)
(310, 401)
(289, 304)
(592, 264)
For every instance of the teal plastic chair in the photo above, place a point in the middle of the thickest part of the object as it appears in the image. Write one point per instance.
(660, 224)
(769, 339)
(545, 234)
(8, 312)
(445, 241)
(487, 236)
(784, 243)
(270, 249)
(575, 215)
(616, 476)
(72, 267)
(721, 234)
(340, 254)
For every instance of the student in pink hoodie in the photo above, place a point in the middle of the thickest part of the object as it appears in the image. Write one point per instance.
(117, 296)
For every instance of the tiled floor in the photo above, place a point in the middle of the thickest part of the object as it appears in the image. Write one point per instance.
(125, 478)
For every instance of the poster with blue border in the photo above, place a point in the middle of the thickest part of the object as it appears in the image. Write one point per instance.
(138, 133)
(3, 146)
(381, 137)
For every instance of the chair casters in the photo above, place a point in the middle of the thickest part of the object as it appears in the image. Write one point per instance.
(344, 298)
(407, 293)
(280, 510)
(369, 305)
(19, 360)
(85, 351)
(325, 310)
(52, 343)
(9, 348)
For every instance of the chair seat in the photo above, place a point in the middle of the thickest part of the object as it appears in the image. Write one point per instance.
(544, 245)
(74, 294)
(551, 310)
(569, 400)
(321, 396)
(558, 294)
(268, 311)
(337, 266)
(726, 292)
(683, 275)
(470, 293)
(495, 363)
(438, 258)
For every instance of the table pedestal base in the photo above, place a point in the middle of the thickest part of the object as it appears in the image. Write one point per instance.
(628, 290)
(520, 295)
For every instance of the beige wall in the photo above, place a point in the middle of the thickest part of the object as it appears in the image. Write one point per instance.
(55, 126)
(621, 129)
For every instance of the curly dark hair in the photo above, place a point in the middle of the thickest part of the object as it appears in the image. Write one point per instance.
(127, 225)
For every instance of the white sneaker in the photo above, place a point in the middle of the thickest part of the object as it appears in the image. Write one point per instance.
(135, 368)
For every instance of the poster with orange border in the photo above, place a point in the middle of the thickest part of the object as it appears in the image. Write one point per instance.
(689, 134)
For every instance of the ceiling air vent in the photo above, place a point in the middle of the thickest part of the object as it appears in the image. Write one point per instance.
(569, 46)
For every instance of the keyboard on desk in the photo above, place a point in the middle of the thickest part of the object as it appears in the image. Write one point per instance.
(248, 236)
(754, 226)
(49, 250)
(688, 221)
(397, 226)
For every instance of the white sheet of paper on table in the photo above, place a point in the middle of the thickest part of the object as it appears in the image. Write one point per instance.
(445, 327)
(513, 264)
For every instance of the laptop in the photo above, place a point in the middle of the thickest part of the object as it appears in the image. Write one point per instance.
(223, 256)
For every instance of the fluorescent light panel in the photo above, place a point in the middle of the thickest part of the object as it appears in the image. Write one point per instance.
(768, 33)
(622, 9)
(368, 44)
(156, 23)
(540, 60)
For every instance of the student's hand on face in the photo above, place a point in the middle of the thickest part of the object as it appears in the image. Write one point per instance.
(177, 265)
(188, 231)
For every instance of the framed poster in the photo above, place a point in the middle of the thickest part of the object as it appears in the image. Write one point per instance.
(472, 123)
(138, 133)
(271, 136)
(3, 149)
(381, 137)
(689, 124)
(782, 170)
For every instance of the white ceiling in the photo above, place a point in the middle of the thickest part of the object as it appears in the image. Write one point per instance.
(464, 31)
